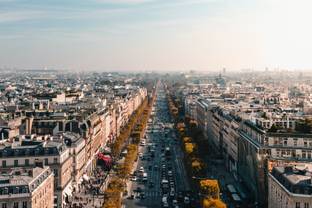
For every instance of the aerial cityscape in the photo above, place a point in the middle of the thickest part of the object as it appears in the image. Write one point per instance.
(155, 104)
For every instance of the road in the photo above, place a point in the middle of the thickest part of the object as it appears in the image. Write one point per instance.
(167, 164)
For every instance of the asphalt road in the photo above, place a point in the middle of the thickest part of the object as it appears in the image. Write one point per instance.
(159, 136)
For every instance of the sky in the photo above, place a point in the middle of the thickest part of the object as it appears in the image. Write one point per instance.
(164, 35)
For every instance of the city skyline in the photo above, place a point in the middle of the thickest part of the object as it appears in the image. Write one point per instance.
(146, 35)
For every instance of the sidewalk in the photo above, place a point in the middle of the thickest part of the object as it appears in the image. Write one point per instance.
(129, 182)
(217, 170)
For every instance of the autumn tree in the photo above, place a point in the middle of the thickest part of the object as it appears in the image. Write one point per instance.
(210, 188)
(213, 203)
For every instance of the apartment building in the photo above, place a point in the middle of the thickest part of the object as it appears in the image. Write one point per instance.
(252, 160)
(290, 186)
(27, 188)
(77, 150)
(29, 153)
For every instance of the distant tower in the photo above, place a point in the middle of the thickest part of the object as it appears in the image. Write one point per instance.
(224, 71)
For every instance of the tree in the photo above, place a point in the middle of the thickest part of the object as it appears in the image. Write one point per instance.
(187, 139)
(197, 165)
(210, 188)
(213, 203)
(189, 148)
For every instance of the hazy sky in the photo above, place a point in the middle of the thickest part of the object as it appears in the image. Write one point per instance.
(156, 34)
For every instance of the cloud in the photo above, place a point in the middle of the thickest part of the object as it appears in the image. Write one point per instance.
(125, 1)
(15, 16)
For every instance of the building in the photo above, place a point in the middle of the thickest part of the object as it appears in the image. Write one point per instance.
(27, 188)
(27, 153)
(290, 186)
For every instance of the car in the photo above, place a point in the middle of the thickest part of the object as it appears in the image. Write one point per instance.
(141, 169)
(165, 204)
(180, 196)
(131, 196)
(144, 177)
(186, 200)
(169, 173)
(134, 178)
(172, 193)
(139, 189)
(142, 195)
(174, 202)
(151, 185)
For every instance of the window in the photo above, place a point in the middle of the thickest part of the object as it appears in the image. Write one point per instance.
(4, 205)
(46, 161)
(15, 162)
(55, 172)
(60, 126)
(297, 204)
(3, 163)
(15, 205)
(27, 162)
(24, 204)
(55, 160)
(306, 205)
(304, 154)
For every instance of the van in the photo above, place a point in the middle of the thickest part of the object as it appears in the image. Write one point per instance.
(144, 177)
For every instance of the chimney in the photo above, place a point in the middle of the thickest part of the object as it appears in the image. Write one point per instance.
(29, 122)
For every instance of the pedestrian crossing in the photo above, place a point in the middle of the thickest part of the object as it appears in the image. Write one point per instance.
(152, 193)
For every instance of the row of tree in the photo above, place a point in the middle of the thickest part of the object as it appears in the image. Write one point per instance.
(118, 144)
(190, 136)
(113, 194)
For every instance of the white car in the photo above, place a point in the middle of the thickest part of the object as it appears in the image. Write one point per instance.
(165, 204)
(186, 200)
(141, 169)
(172, 193)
